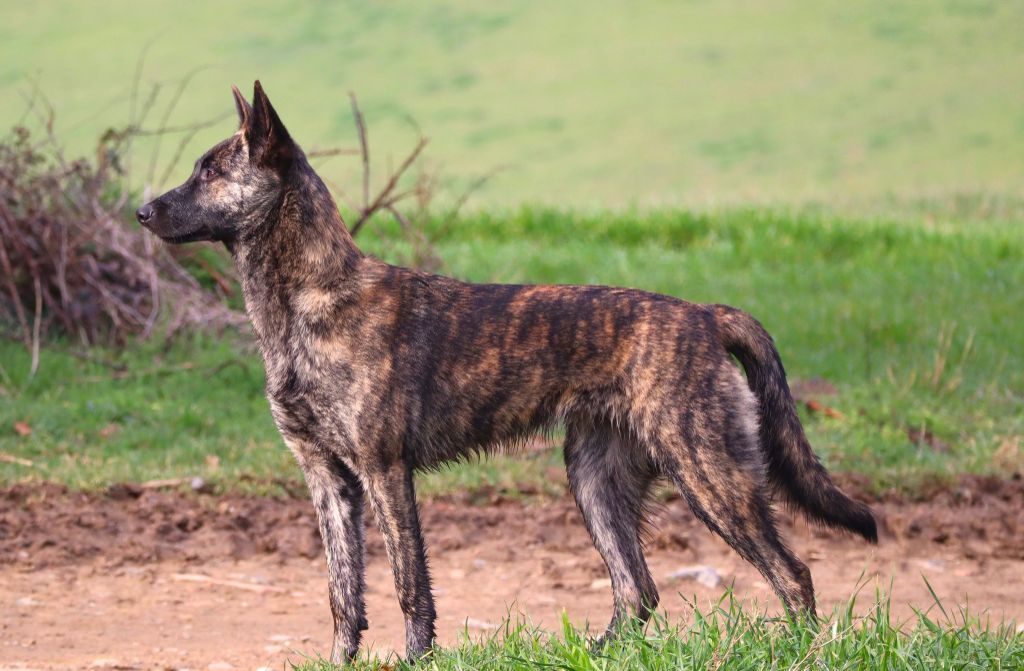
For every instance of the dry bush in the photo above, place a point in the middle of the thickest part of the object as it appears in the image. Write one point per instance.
(411, 205)
(69, 262)
(74, 263)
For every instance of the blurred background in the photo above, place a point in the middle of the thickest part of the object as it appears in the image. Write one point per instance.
(868, 105)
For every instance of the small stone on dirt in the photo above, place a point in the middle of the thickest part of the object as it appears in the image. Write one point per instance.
(27, 602)
(472, 623)
(704, 575)
(200, 485)
(601, 583)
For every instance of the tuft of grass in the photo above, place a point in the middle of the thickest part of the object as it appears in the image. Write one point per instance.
(915, 329)
(729, 636)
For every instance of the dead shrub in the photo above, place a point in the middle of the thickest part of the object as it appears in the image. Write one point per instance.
(69, 262)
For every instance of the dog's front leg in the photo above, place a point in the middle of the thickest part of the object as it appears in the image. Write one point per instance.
(393, 498)
(338, 500)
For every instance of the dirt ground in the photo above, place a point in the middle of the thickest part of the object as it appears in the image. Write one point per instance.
(159, 580)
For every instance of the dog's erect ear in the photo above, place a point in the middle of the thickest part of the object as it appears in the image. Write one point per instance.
(269, 141)
(243, 107)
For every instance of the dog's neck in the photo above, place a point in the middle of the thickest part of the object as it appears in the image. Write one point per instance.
(303, 247)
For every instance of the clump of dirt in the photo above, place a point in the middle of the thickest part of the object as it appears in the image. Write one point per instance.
(47, 525)
(979, 517)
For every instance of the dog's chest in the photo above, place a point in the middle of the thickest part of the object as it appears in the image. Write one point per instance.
(320, 398)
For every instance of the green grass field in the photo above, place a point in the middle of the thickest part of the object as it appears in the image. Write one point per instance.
(917, 330)
(728, 637)
(859, 106)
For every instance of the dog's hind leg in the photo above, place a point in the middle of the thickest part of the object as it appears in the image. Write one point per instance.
(743, 518)
(713, 457)
(393, 499)
(337, 497)
(610, 478)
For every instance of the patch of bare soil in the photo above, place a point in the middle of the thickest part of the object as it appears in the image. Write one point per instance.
(149, 579)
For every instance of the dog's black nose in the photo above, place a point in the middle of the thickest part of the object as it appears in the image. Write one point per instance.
(144, 213)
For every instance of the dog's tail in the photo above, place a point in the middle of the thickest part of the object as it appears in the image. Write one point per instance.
(793, 467)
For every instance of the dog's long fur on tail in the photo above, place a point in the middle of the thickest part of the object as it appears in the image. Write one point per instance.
(793, 467)
(375, 371)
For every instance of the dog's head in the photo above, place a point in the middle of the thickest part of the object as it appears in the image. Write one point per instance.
(235, 185)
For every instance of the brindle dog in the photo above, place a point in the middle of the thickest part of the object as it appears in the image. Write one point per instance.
(376, 371)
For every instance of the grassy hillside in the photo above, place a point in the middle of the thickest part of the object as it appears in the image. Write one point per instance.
(579, 103)
(915, 332)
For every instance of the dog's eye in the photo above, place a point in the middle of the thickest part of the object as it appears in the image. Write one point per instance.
(207, 174)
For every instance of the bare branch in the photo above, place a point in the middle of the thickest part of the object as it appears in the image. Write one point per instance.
(183, 143)
(460, 202)
(168, 110)
(383, 197)
(363, 147)
(341, 151)
(399, 217)
(189, 128)
(36, 326)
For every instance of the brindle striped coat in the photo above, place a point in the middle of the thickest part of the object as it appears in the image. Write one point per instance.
(375, 371)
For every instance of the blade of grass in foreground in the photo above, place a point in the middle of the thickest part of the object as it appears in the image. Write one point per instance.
(732, 637)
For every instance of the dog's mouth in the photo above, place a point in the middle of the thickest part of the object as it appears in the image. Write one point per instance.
(177, 237)
(181, 238)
